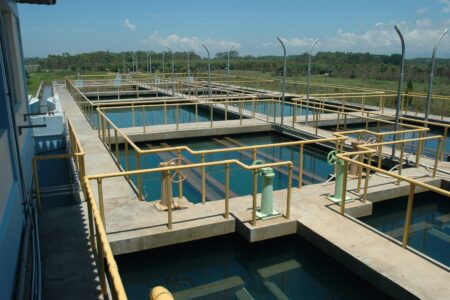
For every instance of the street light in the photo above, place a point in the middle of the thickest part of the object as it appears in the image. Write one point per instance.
(308, 79)
(173, 73)
(399, 92)
(209, 71)
(430, 80)
(283, 89)
(228, 69)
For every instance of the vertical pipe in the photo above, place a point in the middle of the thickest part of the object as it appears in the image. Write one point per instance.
(400, 162)
(400, 88)
(209, 71)
(180, 183)
(116, 146)
(283, 88)
(143, 118)
(408, 215)
(308, 79)
(444, 140)
(36, 184)
(430, 80)
(419, 149)
(101, 265)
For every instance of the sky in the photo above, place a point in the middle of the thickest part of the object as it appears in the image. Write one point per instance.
(248, 26)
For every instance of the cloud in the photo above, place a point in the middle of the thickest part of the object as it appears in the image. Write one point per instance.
(422, 11)
(446, 5)
(128, 25)
(379, 38)
(175, 41)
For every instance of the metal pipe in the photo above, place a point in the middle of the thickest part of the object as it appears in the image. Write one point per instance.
(408, 215)
(228, 69)
(308, 79)
(163, 64)
(209, 70)
(173, 73)
(400, 88)
(188, 65)
(283, 88)
(430, 80)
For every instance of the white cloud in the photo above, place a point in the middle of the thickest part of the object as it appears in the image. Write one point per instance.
(128, 25)
(419, 37)
(422, 11)
(175, 42)
(446, 5)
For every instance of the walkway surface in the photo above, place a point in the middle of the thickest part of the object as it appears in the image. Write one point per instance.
(134, 225)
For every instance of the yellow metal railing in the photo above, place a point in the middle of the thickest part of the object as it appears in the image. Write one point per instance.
(357, 158)
(97, 234)
(226, 163)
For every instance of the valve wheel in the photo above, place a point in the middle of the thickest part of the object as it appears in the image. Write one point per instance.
(331, 157)
(178, 175)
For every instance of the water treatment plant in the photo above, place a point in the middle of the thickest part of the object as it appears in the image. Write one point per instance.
(209, 185)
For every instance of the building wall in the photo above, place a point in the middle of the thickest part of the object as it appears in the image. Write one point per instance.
(16, 150)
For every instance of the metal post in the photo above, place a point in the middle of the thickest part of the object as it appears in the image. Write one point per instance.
(203, 180)
(408, 215)
(209, 71)
(188, 65)
(100, 201)
(437, 157)
(255, 186)
(36, 185)
(300, 167)
(289, 190)
(228, 70)
(163, 64)
(308, 78)
(366, 181)
(227, 190)
(173, 73)
(430, 80)
(169, 206)
(283, 87)
(400, 88)
(344, 187)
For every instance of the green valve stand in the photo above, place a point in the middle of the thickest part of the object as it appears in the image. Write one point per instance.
(340, 169)
(266, 211)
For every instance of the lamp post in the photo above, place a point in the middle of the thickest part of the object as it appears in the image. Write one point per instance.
(173, 73)
(308, 79)
(209, 71)
(283, 89)
(430, 80)
(123, 62)
(228, 69)
(163, 64)
(147, 60)
(188, 66)
(399, 91)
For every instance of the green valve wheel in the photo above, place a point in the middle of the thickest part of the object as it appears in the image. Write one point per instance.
(331, 158)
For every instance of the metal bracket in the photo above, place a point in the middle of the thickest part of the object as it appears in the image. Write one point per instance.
(32, 114)
(30, 126)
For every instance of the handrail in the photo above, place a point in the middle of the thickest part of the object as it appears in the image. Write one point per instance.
(226, 163)
(99, 241)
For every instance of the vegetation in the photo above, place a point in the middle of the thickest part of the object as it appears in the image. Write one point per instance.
(359, 69)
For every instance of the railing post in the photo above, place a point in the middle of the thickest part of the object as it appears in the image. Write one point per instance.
(127, 160)
(103, 129)
(196, 112)
(116, 147)
(169, 206)
(203, 180)
(408, 215)
(444, 140)
(344, 187)
(139, 176)
(240, 113)
(143, 117)
(101, 265)
(437, 157)
(211, 114)
(360, 159)
(366, 180)
(176, 117)
(180, 183)
(98, 124)
(100, 200)
(419, 149)
(254, 154)
(300, 167)
(132, 114)
(255, 186)
(227, 190)
(380, 150)
(165, 113)
(400, 165)
(289, 191)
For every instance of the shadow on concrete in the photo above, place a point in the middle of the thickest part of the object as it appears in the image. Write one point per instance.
(68, 265)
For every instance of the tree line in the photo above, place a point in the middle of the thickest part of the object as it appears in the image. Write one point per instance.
(335, 64)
